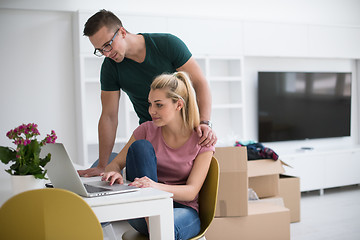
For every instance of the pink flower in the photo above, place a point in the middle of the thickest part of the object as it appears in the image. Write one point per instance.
(10, 134)
(26, 142)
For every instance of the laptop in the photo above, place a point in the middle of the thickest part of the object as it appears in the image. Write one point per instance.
(62, 174)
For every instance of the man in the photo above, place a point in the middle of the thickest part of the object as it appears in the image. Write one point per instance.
(132, 62)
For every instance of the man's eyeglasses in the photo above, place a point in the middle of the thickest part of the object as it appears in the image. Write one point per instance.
(107, 48)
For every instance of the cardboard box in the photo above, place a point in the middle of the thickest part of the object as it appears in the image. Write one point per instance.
(290, 192)
(264, 221)
(264, 176)
(272, 200)
(233, 183)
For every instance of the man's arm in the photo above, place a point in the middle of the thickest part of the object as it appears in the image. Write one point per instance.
(107, 131)
(203, 94)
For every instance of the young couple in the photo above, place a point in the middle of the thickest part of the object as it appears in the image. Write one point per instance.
(172, 148)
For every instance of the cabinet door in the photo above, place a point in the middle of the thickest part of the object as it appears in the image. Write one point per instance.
(330, 41)
(342, 169)
(209, 36)
(274, 39)
(309, 168)
(143, 24)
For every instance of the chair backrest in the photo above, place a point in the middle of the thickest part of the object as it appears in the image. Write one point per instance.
(208, 197)
(48, 214)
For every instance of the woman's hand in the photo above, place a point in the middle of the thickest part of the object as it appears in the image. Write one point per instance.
(143, 182)
(112, 177)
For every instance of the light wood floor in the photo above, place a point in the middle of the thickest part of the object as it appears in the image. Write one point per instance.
(332, 216)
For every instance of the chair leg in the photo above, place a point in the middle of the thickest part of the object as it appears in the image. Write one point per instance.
(109, 231)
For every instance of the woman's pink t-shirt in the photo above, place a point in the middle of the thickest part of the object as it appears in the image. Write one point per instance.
(173, 165)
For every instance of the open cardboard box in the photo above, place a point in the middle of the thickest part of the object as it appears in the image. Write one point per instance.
(264, 176)
(233, 183)
(267, 179)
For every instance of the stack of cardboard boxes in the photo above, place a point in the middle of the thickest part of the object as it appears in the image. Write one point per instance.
(239, 218)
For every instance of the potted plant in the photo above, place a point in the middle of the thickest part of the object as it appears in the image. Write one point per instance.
(26, 157)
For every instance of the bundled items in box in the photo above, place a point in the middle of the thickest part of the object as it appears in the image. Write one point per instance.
(257, 151)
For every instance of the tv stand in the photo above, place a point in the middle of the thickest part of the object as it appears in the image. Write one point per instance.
(321, 168)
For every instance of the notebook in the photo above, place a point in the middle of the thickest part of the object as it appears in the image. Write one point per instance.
(62, 174)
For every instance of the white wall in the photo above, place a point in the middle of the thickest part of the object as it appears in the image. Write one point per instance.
(36, 73)
(36, 61)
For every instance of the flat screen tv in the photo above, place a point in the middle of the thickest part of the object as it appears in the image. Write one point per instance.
(303, 105)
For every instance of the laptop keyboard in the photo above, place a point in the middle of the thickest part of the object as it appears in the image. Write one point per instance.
(94, 189)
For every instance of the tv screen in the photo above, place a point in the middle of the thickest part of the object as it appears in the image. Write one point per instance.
(303, 105)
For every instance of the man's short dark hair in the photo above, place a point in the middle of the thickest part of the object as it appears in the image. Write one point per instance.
(100, 19)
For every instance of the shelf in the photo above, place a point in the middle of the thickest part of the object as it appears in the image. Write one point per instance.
(224, 67)
(226, 93)
(228, 125)
(92, 80)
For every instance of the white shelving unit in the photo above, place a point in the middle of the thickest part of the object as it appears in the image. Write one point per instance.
(225, 78)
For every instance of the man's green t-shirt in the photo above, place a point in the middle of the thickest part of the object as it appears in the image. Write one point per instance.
(164, 54)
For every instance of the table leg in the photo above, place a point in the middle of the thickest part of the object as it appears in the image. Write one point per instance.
(157, 223)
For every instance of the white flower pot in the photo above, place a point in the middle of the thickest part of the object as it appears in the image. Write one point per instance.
(25, 183)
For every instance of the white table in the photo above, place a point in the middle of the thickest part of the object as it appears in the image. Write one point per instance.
(147, 202)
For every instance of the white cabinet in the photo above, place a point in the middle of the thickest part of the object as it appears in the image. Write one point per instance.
(225, 78)
(325, 168)
(342, 169)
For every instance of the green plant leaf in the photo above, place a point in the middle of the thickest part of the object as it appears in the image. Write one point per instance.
(15, 166)
(45, 160)
(7, 154)
(24, 170)
(40, 175)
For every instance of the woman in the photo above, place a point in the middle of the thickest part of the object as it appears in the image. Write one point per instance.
(164, 153)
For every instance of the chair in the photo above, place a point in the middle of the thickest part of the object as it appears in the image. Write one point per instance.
(207, 204)
(48, 214)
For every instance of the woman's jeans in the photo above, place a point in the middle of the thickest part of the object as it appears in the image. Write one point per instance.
(141, 161)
